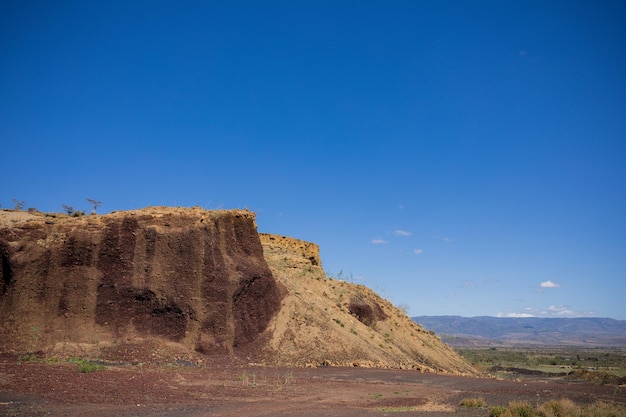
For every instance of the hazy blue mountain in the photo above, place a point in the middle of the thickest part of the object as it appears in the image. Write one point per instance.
(488, 331)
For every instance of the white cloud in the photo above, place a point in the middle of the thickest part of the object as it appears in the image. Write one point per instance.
(418, 251)
(549, 284)
(379, 241)
(401, 233)
(552, 311)
(515, 315)
(560, 311)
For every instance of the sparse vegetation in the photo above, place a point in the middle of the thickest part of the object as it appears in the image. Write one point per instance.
(35, 334)
(339, 322)
(89, 367)
(18, 204)
(560, 408)
(29, 357)
(85, 365)
(70, 211)
(403, 409)
(473, 402)
(405, 308)
(497, 410)
(557, 408)
(600, 366)
(95, 204)
(247, 379)
(520, 409)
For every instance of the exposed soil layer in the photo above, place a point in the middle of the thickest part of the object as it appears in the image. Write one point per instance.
(223, 389)
(189, 279)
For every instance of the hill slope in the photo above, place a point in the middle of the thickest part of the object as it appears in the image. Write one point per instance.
(323, 320)
(584, 331)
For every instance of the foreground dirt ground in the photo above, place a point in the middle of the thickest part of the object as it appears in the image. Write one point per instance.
(226, 389)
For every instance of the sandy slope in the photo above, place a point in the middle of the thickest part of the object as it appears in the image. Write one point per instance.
(334, 322)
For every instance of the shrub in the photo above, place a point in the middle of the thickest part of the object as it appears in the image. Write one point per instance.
(87, 367)
(520, 409)
(561, 408)
(497, 410)
(473, 402)
(602, 409)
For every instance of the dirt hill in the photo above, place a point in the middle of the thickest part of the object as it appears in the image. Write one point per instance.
(334, 322)
(165, 283)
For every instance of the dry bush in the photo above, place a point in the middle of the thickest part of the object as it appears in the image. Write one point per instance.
(603, 409)
(520, 409)
(557, 408)
(560, 408)
(497, 410)
(473, 402)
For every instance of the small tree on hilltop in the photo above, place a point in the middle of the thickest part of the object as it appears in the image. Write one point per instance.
(18, 204)
(68, 209)
(95, 204)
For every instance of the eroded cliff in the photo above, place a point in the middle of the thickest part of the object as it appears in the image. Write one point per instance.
(193, 278)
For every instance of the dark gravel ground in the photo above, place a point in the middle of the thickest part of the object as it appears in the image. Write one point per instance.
(42, 389)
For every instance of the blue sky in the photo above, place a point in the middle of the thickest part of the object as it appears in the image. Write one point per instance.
(461, 158)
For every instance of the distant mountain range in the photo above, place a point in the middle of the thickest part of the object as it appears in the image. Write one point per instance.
(531, 331)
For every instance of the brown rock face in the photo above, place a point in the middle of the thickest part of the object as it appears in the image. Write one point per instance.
(192, 277)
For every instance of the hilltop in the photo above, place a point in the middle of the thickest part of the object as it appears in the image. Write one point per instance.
(164, 284)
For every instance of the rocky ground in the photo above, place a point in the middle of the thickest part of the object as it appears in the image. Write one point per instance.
(225, 388)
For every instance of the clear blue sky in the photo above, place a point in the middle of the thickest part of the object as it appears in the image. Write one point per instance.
(460, 157)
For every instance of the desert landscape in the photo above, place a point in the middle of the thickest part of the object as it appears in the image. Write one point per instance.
(188, 312)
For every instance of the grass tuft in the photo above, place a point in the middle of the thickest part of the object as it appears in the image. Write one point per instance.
(473, 402)
(558, 408)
